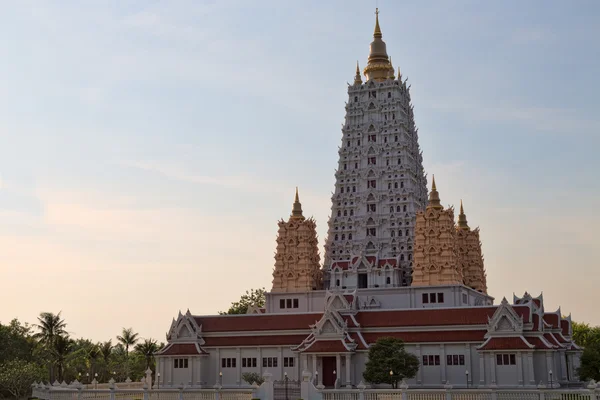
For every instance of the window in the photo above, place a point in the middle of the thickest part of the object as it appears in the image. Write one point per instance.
(399, 162)
(353, 189)
(395, 140)
(351, 212)
(288, 303)
(371, 232)
(401, 184)
(295, 303)
(349, 236)
(288, 362)
(371, 207)
(431, 360)
(269, 362)
(432, 297)
(281, 303)
(337, 282)
(389, 95)
(425, 300)
(356, 164)
(372, 138)
(248, 362)
(345, 213)
(465, 299)
(343, 236)
(345, 166)
(388, 280)
(371, 184)
(180, 363)
(506, 359)
(455, 359)
(372, 160)
(393, 233)
(404, 208)
(228, 362)
(355, 99)
(440, 297)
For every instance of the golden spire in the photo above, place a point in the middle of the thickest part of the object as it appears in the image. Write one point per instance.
(399, 74)
(378, 67)
(462, 219)
(357, 78)
(297, 208)
(391, 69)
(434, 197)
(377, 33)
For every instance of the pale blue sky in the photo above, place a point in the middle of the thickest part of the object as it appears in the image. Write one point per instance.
(148, 148)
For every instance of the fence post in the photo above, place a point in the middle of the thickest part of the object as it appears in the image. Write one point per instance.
(404, 387)
(145, 389)
(361, 390)
(269, 389)
(494, 393)
(181, 392)
(448, 387)
(304, 385)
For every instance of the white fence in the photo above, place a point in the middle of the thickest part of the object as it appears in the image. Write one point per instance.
(76, 391)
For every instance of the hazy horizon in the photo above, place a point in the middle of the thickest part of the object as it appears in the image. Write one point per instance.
(148, 149)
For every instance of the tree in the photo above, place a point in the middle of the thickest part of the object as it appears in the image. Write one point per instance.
(389, 362)
(16, 376)
(128, 338)
(50, 327)
(147, 348)
(252, 378)
(16, 341)
(254, 297)
(584, 334)
(60, 351)
(590, 363)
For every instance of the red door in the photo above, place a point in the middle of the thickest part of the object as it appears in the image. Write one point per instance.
(328, 371)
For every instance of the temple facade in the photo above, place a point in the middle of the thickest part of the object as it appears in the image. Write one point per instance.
(397, 264)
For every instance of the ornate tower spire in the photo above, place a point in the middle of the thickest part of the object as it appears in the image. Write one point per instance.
(379, 66)
(297, 208)
(434, 197)
(357, 77)
(462, 219)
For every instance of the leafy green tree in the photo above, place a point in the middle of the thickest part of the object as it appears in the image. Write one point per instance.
(389, 362)
(127, 338)
(16, 341)
(252, 378)
(585, 335)
(147, 348)
(50, 327)
(590, 363)
(254, 297)
(16, 376)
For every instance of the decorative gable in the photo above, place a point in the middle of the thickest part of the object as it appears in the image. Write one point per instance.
(185, 329)
(505, 321)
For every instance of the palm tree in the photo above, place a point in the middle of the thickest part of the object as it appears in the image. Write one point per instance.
(50, 327)
(92, 354)
(60, 351)
(128, 338)
(148, 347)
(105, 349)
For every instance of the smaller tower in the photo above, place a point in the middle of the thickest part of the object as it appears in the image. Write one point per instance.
(468, 246)
(357, 77)
(435, 259)
(297, 267)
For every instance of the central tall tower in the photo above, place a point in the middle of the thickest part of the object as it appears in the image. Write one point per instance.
(380, 182)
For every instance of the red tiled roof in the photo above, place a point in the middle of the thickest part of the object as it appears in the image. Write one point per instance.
(536, 322)
(430, 336)
(349, 298)
(340, 264)
(564, 324)
(552, 319)
(552, 339)
(537, 302)
(506, 343)
(538, 343)
(181, 349)
(432, 316)
(327, 346)
(256, 322)
(275, 340)
(357, 340)
(391, 261)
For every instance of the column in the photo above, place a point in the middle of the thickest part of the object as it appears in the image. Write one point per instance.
(170, 370)
(199, 371)
(259, 362)
(519, 369)
(530, 368)
(493, 369)
(420, 372)
(314, 370)
(338, 370)
(305, 363)
(563, 365)
(191, 371)
(468, 364)
(550, 367)
(348, 376)
(281, 363)
(238, 363)
(218, 367)
(443, 363)
(482, 369)
(298, 367)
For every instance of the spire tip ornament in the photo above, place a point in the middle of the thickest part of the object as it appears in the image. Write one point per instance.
(297, 207)
(434, 197)
(462, 219)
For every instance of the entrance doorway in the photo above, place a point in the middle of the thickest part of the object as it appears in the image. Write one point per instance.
(328, 371)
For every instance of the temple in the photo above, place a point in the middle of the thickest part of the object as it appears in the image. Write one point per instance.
(397, 264)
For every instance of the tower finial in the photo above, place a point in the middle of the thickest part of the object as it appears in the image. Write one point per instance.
(462, 219)
(377, 33)
(391, 69)
(357, 77)
(434, 197)
(297, 207)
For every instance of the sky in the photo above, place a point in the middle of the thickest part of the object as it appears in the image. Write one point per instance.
(148, 148)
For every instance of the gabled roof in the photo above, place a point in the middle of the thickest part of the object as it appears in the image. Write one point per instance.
(256, 322)
(182, 349)
(255, 340)
(506, 343)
